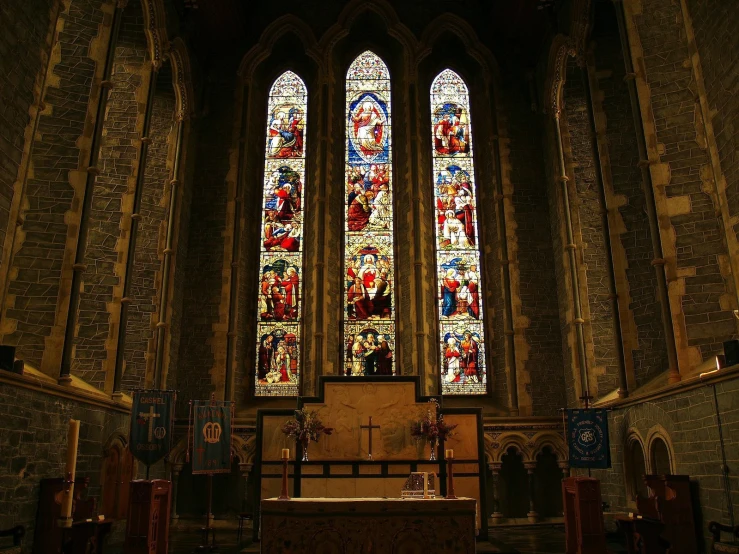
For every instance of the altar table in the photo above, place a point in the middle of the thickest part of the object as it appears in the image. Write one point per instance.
(368, 526)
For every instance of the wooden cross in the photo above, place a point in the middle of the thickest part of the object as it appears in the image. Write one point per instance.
(369, 427)
(150, 418)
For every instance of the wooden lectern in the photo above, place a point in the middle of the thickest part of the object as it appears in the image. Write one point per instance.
(671, 503)
(147, 529)
(583, 507)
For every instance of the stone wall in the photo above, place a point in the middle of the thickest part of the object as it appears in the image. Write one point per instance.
(587, 210)
(34, 439)
(642, 330)
(112, 202)
(688, 419)
(540, 360)
(24, 53)
(57, 174)
(702, 289)
(145, 287)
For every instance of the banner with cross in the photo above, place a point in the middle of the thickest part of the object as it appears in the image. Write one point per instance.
(211, 434)
(151, 425)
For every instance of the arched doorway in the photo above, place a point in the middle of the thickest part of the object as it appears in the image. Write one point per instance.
(514, 485)
(548, 477)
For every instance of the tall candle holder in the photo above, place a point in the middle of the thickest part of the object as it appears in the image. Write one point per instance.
(285, 457)
(449, 455)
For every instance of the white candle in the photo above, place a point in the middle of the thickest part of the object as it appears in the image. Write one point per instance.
(285, 453)
(73, 437)
(449, 454)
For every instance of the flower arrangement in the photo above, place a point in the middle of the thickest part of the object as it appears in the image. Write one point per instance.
(432, 428)
(305, 427)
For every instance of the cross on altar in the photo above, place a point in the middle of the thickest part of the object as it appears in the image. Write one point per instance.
(150, 418)
(369, 427)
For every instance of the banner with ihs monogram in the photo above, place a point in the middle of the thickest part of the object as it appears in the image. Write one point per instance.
(151, 425)
(211, 433)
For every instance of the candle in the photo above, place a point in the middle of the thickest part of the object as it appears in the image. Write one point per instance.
(285, 453)
(73, 436)
(449, 453)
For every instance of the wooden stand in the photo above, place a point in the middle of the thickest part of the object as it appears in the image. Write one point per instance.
(584, 532)
(671, 503)
(147, 528)
(209, 533)
(86, 532)
(284, 494)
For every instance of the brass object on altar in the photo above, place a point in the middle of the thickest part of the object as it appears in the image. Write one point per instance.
(419, 485)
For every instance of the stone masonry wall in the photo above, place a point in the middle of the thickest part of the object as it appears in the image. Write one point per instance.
(692, 238)
(145, 287)
(689, 420)
(641, 321)
(715, 23)
(540, 353)
(204, 266)
(112, 197)
(24, 52)
(57, 173)
(33, 435)
(588, 209)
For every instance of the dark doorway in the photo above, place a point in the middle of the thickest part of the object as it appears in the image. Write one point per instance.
(514, 485)
(548, 478)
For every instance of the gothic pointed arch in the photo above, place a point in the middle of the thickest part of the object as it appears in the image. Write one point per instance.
(155, 28)
(182, 79)
(556, 74)
(285, 25)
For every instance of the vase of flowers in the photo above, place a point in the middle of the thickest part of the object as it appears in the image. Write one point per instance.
(432, 428)
(305, 427)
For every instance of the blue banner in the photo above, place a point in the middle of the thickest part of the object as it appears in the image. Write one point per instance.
(211, 437)
(587, 437)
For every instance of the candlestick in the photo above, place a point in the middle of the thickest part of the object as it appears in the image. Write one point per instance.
(449, 453)
(426, 485)
(285, 455)
(450, 471)
(73, 436)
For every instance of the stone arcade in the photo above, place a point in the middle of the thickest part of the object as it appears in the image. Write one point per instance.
(357, 206)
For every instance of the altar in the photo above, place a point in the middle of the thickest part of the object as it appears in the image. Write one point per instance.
(340, 468)
(368, 526)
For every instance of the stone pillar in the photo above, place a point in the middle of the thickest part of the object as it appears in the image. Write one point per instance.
(176, 469)
(532, 515)
(497, 515)
(245, 469)
(565, 467)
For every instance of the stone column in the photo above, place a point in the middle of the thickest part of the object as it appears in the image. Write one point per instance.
(176, 469)
(532, 515)
(245, 469)
(565, 467)
(497, 514)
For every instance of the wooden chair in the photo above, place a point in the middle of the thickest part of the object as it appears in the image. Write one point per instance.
(722, 547)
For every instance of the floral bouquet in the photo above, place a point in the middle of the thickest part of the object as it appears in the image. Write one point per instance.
(304, 428)
(432, 428)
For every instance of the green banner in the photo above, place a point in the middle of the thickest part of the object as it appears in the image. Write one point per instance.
(211, 449)
(151, 425)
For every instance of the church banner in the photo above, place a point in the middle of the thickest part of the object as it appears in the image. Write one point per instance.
(587, 434)
(211, 452)
(151, 425)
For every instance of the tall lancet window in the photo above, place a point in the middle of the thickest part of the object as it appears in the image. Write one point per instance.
(281, 256)
(369, 258)
(461, 333)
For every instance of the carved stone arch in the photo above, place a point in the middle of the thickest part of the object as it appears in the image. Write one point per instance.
(519, 442)
(580, 28)
(556, 74)
(182, 79)
(658, 432)
(552, 440)
(155, 27)
(287, 24)
(490, 447)
(118, 438)
(451, 23)
(384, 10)
(178, 454)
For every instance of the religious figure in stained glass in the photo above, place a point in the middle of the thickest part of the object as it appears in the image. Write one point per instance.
(369, 259)
(461, 333)
(281, 258)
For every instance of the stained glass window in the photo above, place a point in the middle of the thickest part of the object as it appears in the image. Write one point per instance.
(281, 253)
(461, 333)
(369, 257)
